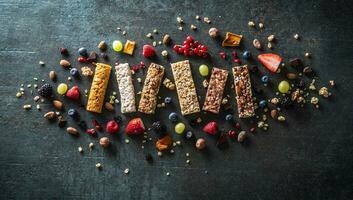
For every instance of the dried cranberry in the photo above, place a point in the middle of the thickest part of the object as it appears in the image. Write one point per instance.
(237, 60)
(82, 59)
(91, 131)
(97, 125)
(222, 55)
(232, 133)
(135, 68)
(237, 125)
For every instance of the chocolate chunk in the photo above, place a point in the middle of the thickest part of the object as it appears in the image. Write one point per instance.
(296, 62)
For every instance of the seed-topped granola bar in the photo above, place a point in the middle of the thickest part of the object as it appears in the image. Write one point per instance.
(215, 90)
(98, 87)
(185, 87)
(148, 101)
(246, 107)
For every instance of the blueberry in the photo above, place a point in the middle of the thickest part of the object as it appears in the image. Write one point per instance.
(189, 134)
(264, 79)
(72, 113)
(74, 72)
(246, 54)
(168, 100)
(173, 117)
(263, 103)
(82, 51)
(229, 117)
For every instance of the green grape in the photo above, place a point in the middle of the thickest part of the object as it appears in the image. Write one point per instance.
(179, 128)
(62, 88)
(203, 69)
(283, 87)
(117, 46)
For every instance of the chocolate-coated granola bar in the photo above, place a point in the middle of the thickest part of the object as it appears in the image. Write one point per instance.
(215, 90)
(98, 87)
(185, 88)
(148, 101)
(246, 107)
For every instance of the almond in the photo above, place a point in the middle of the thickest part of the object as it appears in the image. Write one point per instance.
(109, 106)
(52, 75)
(65, 64)
(72, 131)
(291, 76)
(274, 113)
(166, 39)
(50, 115)
(58, 104)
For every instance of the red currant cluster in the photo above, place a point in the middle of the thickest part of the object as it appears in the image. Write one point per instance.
(191, 48)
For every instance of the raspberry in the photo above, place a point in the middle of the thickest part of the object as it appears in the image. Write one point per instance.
(46, 90)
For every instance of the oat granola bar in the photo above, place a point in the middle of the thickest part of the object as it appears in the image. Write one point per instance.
(98, 87)
(185, 88)
(148, 101)
(215, 90)
(246, 107)
(126, 88)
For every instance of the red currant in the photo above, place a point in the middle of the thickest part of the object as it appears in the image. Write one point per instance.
(237, 125)
(222, 55)
(181, 50)
(176, 48)
(142, 64)
(186, 52)
(195, 44)
(237, 60)
(82, 59)
(234, 54)
(135, 68)
(203, 48)
(189, 38)
(232, 133)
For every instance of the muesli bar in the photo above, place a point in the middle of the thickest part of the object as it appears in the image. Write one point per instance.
(148, 101)
(98, 88)
(246, 107)
(185, 88)
(215, 90)
(126, 88)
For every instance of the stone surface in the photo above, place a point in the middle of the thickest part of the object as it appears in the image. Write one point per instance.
(308, 157)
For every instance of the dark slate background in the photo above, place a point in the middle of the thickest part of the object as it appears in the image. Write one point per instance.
(308, 157)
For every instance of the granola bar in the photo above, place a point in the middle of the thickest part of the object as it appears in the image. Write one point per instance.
(148, 101)
(185, 88)
(98, 87)
(215, 90)
(246, 107)
(126, 88)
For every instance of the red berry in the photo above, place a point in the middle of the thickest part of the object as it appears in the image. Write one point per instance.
(232, 133)
(211, 128)
(176, 48)
(189, 38)
(203, 48)
(186, 52)
(112, 127)
(135, 68)
(142, 64)
(195, 44)
(148, 51)
(185, 42)
(252, 130)
(191, 52)
(97, 125)
(186, 46)
(181, 50)
(237, 60)
(222, 55)
(81, 59)
(234, 54)
(73, 93)
(237, 125)
(205, 55)
(91, 131)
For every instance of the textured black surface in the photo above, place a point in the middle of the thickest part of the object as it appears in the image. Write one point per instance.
(309, 157)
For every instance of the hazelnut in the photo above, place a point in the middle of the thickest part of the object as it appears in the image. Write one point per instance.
(104, 142)
(200, 144)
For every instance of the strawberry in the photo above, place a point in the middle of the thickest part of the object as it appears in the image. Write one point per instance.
(211, 128)
(73, 93)
(135, 126)
(148, 51)
(112, 127)
(270, 61)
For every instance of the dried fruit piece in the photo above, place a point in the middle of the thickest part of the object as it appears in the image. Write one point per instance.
(164, 143)
(271, 61)
(129, 47)
(231, 40)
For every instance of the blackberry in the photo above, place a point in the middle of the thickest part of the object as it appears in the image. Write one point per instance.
(158, 127)
(286, 102)
(46, 90)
